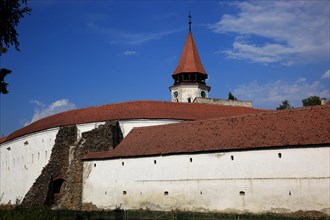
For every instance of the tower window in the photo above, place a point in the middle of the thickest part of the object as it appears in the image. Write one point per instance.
(189, 100)
(175, 94)
(203, 93)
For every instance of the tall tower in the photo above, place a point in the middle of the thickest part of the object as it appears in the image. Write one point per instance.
(190, 75)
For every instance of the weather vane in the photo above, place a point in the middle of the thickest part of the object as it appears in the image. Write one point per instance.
(189, 17)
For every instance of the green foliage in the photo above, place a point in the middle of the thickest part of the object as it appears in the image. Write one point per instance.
(311, 101)
(285, 105)
(11, 11)
(231, 96)
(3, 84)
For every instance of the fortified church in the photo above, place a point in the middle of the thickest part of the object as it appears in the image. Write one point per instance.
(193, 153)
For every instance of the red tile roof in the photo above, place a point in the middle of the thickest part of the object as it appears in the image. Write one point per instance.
(133, 110)
(285, 128)
(3, 139)
(189, 61)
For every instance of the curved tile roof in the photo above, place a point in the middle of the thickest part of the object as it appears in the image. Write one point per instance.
(133, 110)
(3, 139)
(190, 61)
(284, 128)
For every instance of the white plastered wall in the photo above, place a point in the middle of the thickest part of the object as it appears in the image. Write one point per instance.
(127, 125)
(22, 159)
(188, 91)
(257, 181)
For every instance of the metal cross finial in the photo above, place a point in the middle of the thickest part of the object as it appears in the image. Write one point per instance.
(189, 21)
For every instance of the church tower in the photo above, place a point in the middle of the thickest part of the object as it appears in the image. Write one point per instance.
(190, 75)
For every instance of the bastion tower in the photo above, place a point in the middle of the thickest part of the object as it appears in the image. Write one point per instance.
(190, 75)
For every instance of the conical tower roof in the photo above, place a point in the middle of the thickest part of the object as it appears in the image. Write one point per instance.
(190, 61)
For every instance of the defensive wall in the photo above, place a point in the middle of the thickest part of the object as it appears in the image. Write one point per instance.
(275, 180)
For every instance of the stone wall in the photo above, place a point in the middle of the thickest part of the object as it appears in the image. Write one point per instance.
(223, 102)
(40, 192)
(65, 163)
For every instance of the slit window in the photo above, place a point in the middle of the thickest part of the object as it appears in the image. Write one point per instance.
(279, 155)
(155, 162)
(190, 160)
(232, 157)
(94, 164)
(166, 193)
(122, 163)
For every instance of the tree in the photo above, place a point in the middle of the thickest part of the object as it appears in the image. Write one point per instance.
(11, 11)
(3, 84)
(285, 105)
(231, 96)
(311, 101)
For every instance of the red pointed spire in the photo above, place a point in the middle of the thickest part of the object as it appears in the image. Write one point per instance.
(190, 61)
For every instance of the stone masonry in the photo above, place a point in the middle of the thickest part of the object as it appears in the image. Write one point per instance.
(65, 163)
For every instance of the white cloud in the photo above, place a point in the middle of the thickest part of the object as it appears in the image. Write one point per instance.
(129, 52)
(124, 37)
(270, 95)
(139, 38)
(42, 110)
(326, 75)
(287, 31)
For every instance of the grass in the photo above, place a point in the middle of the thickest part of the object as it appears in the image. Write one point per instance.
(17, 213)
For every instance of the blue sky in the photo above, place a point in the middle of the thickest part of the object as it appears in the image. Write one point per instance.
(76, 54)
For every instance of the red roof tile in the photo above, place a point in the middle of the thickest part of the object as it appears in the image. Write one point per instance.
(189, 61)
(295, 127)
(133, 110)
(3, 139)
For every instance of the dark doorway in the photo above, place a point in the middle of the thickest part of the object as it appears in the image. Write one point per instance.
(57, 184)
